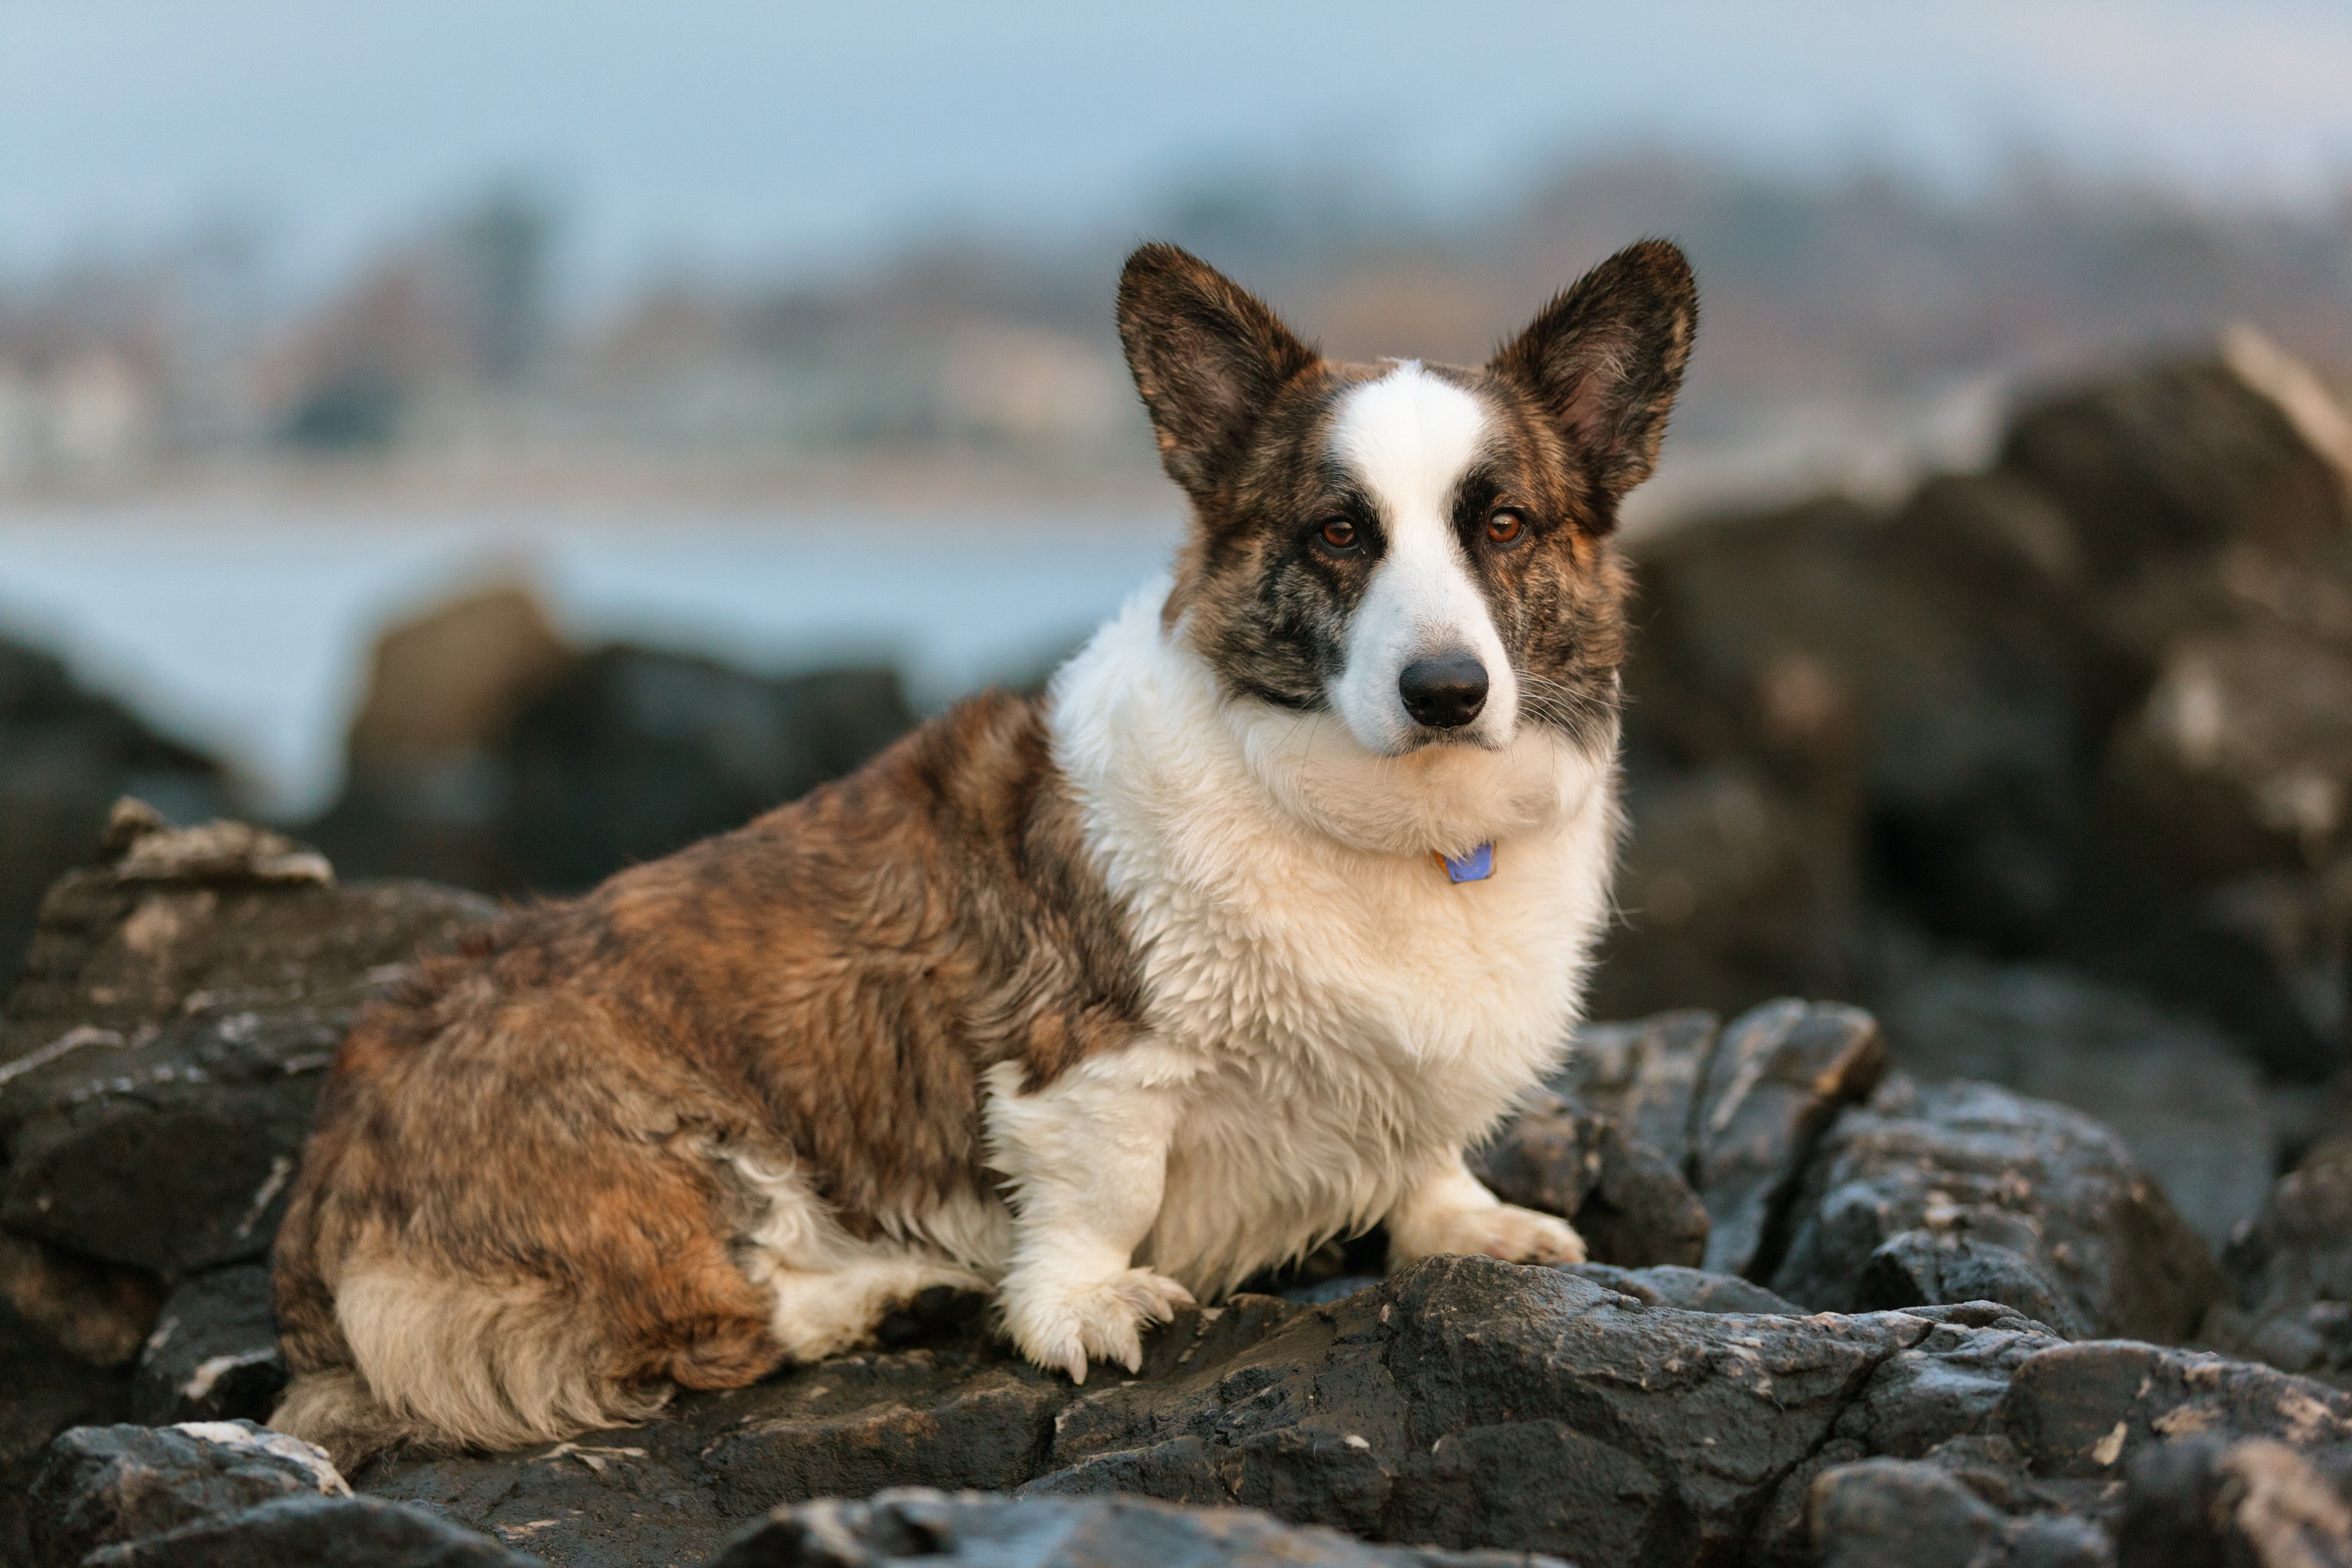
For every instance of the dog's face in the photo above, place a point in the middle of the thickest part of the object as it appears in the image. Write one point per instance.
(1419, 551)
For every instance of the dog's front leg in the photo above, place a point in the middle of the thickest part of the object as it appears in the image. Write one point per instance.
(1086, 1158)
(1450, 1210)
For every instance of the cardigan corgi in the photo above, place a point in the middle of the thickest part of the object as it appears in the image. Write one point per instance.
(1230, 944)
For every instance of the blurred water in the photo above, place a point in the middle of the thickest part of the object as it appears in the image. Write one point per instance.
(246, 629)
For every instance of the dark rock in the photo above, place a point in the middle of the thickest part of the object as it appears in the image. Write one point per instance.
(96, 1314)
(1687, 1290)
(1057, 1532)
(177, 1018)
(65, 756)
(213, 1355)
(43, 1390)
(1736, 1109)
(2080, 1412)
(319, 1532)
(634, 754)
(491, 755)
(2254, 1503)
(2031, 1203)
(1776, 1078)
(1630, 1203)
(1465, 1403)
(2183, 1096)
(2290, 1274)
(101, 1485)
(1880, 1511)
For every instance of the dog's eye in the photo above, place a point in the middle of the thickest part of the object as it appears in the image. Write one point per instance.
(1338, 534)
(1505, 525)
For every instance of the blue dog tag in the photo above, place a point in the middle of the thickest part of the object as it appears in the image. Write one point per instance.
(1475, 866)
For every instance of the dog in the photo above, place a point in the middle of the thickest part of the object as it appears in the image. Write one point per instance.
(1230, 944)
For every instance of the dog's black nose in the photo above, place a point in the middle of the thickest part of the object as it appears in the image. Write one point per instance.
(1445, 692)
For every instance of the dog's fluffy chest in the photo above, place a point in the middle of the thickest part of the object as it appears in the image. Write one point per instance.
(1339, 1017)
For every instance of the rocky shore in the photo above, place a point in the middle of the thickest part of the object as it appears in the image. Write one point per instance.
(1835, 1314)
(2035, 1249)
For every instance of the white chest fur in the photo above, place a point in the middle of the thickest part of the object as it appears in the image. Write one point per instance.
(1335, 1013)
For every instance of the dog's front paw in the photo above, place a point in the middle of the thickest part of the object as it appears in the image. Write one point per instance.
(1508, 1232)
(1069, 1323)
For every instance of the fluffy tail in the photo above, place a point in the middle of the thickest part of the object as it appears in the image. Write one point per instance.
(448, 1363)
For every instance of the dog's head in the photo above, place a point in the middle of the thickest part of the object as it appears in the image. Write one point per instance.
(1421, 552)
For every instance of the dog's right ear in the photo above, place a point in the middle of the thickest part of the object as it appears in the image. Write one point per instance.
(1208, 357)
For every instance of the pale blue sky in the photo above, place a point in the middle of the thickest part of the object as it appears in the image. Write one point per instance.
(735, 132)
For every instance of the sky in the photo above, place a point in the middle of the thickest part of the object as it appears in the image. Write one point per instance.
(732, 132)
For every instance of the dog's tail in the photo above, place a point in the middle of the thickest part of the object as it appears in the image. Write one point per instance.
(459, 1363)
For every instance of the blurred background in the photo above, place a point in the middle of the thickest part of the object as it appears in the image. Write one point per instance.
(504, 442)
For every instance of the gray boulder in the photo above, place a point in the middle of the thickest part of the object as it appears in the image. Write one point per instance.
(2290, 1273)
(967, 1532)
(319, 1532)
(1736, 1108)
(160, 1058)
(213, 1355)
(101, 1485)
(1964, 1192)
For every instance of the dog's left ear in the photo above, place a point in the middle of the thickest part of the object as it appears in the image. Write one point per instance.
(1606, 358)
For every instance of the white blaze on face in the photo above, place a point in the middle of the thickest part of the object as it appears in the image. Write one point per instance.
(1407, 437)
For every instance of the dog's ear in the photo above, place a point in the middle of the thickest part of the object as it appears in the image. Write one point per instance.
(1605, 359)
(1208, 357)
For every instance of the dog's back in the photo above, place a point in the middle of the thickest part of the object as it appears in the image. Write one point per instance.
(514, 1219)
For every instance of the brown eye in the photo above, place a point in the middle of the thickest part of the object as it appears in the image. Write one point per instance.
(1339, 534)
(1505, 526)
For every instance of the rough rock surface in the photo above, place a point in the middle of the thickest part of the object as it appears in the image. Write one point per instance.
(159, 1059)
(1965, 1191)
(2290, 1273)
(1465, 1404)
(1736, 1109)
(158, 1064)
(213, 1355)
(965, 1531)
(101, 1485)
(2112, 1453)
(2187, 1103)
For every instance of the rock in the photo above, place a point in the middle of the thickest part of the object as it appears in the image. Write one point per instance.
(2255, 1502)
(2088, 705)
(65, 756)
(2183, 1097)
(2088, 1412)
(1630, 1203)
(491, 755)
(1687, 1290)
(1879, 1511)
(1724, 894)
(1463, 1404)
(213, 1353)
(905, 1525)
(319, 1532)
(98, 1315)
(159, 1061)
(101, 1485)
(43, 1390)
(634, 754)
(2290, 1274)
(1736, 1109)
(2014, 1200)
